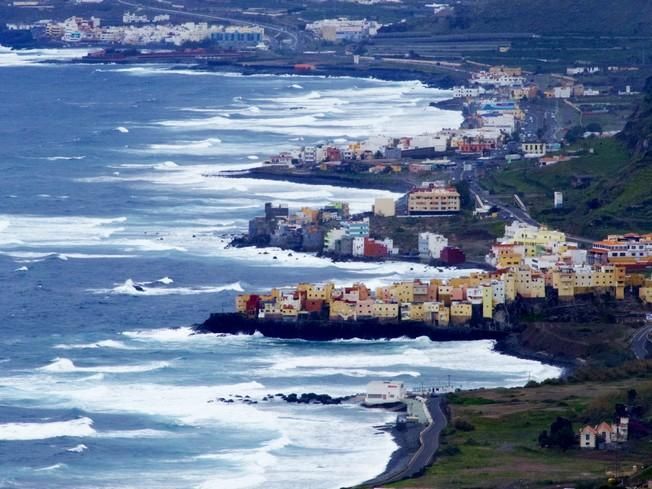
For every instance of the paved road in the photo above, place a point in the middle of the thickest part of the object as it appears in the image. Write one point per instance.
(424, 456)
(294, 38)
(640, 340)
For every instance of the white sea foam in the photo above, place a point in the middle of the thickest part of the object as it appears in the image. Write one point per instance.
(57, 230)
(65, 365)
(51, 467)
(161, 334)
(21, 269)
(122, 129)
(37, 57)
(438, 355)
(79, 427)
(77, 448)
(119, 345)
(129, 287)
(57, 158)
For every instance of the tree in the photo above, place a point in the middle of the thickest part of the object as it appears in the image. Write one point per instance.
(466, 199)
(594, 127)
(631, 396)
(561, 434)
(574, 134)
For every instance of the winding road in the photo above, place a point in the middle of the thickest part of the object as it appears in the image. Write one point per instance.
(640, 341)
(429, 438)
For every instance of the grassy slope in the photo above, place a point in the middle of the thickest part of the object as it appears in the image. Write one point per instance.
(474, 236)
(502, 450)
(618, 199)
(626, 17)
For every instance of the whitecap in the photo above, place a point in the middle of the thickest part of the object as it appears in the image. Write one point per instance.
(51, 467)
(40, 431)
(65, 365)
(130, 287)
(57, 158)
(122, 129)
(77, 448)
(21, 269)
(119, 345)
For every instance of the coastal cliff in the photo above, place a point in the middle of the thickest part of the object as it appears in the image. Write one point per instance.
(325, 330)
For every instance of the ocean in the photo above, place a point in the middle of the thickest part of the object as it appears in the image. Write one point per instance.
(114, 231)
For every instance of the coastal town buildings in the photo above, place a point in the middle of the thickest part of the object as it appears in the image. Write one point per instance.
(433, 198)
(139, 30)
(632, 250)
(343, 29)
(531, 263)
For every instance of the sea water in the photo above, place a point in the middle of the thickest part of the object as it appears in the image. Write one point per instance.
(114, 231)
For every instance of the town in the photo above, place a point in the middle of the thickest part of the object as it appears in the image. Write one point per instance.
(530, 263)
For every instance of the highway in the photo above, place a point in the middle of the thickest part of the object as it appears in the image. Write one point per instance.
(294, 38)
(640, 340)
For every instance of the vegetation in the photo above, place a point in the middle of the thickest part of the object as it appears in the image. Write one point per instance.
(472, 235)
(606, 189)
(504, 446)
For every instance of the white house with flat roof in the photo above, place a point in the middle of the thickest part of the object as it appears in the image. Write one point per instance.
(384, 392)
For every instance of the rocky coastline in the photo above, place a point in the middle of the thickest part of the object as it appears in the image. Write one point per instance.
(326, 330)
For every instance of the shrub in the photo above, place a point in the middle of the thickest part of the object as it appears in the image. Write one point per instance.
(463, 425)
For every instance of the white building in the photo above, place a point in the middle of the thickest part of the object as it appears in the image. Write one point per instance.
(358, 246)
(384, 392)
(464, 92)
(563, 92)
(343, 29)
(558, 200)
(498, 79)
(431, 245)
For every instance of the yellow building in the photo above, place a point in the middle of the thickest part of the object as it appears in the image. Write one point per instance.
(505, 256)
(342, 310)
(564, 282)
(403, 292)
(317, 292)
(384, 206)
(383, 310)
(510, 286)
(487, 302)
(443, 316)
(413, 312)
(432, 198)
(460, 312)
(241, 302)
(529, 284)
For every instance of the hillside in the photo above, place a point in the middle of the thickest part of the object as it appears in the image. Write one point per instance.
(604, 17)
(615, 194)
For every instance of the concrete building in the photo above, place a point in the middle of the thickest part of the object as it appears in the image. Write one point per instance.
(384, 206)
(433, 198)
(343, 29)
(431, 245)
(384, 392)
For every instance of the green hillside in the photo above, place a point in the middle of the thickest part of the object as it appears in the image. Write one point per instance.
(603, 17)
(607, 189)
